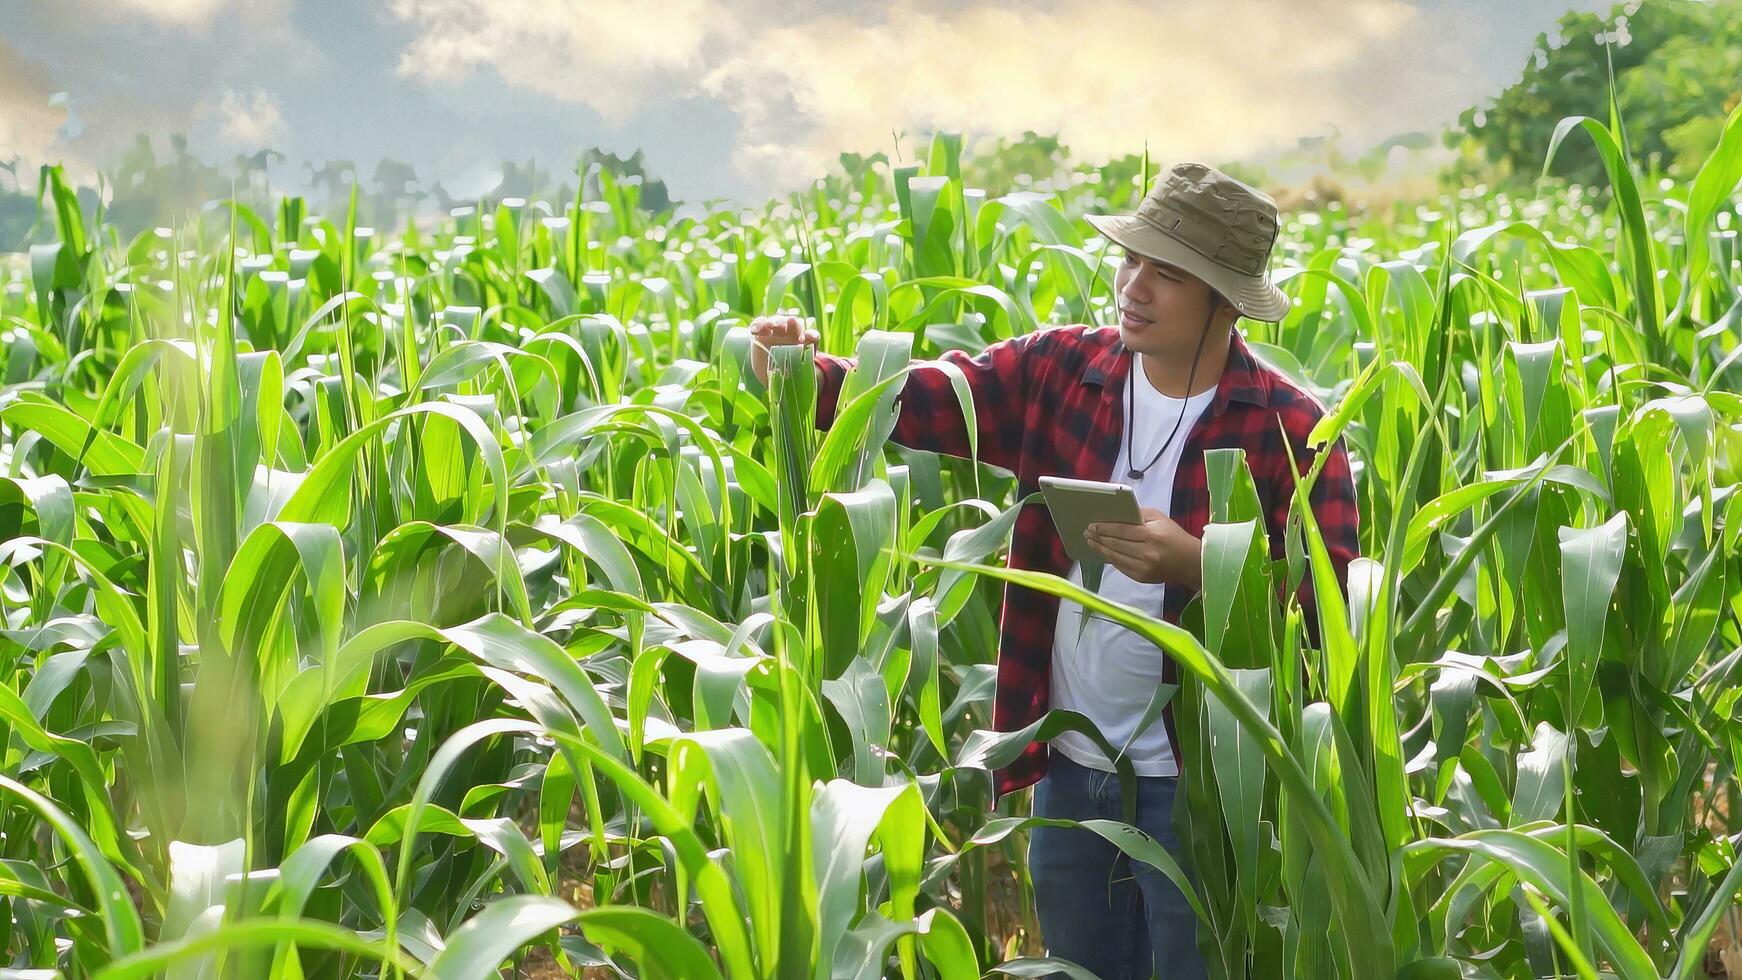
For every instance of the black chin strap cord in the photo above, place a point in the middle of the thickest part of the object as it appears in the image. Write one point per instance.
(1134, 472)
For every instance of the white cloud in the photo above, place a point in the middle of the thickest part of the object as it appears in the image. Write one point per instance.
(1214, 78)
(256, 23)
(614, 56)
(28, 124)
(239, 122)
(184, 13)
(35, 120)
(1199, 78)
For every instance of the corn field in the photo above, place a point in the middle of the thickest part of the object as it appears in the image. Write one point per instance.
(454, 602)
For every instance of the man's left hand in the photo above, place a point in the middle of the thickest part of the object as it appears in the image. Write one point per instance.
(1156, 551)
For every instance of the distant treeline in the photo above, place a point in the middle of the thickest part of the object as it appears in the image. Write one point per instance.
(149, 189)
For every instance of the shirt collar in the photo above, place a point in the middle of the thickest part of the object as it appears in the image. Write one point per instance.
(1243, 379)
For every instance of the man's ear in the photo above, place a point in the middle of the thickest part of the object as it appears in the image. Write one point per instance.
(1224, 312)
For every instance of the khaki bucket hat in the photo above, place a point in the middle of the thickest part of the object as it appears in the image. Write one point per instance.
(1211, 225)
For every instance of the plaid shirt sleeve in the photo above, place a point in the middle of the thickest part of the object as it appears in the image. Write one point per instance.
(931, 416)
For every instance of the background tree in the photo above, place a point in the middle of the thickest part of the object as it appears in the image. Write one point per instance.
(1678, 71)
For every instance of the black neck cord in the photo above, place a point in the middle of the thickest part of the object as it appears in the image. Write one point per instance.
(1131, 405)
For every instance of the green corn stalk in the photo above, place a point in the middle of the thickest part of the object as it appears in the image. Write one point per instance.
(427, 623)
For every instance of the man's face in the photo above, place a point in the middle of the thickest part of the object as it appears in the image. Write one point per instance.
(1161, 306)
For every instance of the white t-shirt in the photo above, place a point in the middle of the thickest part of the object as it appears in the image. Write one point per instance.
(1110, 673)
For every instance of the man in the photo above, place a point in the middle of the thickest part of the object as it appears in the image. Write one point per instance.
(1067, 402)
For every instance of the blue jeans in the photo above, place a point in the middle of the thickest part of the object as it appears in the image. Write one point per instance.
(1099, 909)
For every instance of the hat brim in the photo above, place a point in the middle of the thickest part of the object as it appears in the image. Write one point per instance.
(1256, 297)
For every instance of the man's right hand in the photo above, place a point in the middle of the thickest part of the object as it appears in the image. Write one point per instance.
(774, 331)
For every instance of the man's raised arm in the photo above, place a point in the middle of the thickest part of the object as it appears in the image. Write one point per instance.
(930, 414)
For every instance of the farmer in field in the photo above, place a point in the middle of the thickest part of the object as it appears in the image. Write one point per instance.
(1138, 404)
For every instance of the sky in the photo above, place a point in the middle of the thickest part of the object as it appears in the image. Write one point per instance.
(737, 98)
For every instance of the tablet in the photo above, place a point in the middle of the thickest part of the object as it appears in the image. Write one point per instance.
(1075, 504)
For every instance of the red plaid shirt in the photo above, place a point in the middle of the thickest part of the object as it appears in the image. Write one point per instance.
(1050, 403)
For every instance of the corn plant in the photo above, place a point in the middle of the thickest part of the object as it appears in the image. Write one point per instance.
(453, 599)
